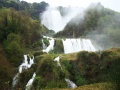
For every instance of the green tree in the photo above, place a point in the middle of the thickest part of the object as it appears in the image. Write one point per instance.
(13, 49)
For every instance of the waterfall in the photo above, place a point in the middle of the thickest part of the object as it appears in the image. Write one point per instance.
(15, 80)
(24, 66)
(53, 19)
(51, 44)
(57, 59)
(70, 84)
(71, 45)
(29, 84)
(76, 45)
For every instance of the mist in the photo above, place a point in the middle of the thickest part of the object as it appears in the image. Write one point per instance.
(105, 40)
(56, 18)
(107, 32)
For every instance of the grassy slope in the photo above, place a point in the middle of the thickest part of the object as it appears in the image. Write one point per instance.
(112, 53)
(51, 74)
(96, 86)
(71, 56)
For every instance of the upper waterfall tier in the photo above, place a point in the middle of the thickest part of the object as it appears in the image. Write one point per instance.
(53, 19)
(76, 45)
(70, 45)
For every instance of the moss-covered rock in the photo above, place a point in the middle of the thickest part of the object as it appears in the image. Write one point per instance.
(24, 77)
(38, 53)
(58, 46)
(49, 74)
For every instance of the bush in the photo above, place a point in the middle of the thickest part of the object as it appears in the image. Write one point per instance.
(37, 53)
(66, 64)
(80, 80)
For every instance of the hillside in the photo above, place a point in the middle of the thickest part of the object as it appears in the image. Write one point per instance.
(96, 86)
(100, 24)
(84, 69)
(21, 33)
(7, 71)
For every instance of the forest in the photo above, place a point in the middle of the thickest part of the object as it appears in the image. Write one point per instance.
(20, 32)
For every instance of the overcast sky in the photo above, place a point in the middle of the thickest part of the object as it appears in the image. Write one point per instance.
(112, 4)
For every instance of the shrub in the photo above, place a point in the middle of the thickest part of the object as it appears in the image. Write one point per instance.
(37, 53)
(66, 64)
(80, 80)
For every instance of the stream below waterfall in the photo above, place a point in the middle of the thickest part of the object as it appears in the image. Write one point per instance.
(27, 63)
(69, 82)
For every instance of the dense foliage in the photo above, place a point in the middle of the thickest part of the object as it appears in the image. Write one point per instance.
(7, 71)
(34, 9)
(19, 33)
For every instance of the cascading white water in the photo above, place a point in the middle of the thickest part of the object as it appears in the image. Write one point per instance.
(15, 80)
(71, 45)
(76, 45)
(51, 44)
(57, 59)
(24, 66)
(53, 19)
(70, 84)
(29, 84)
